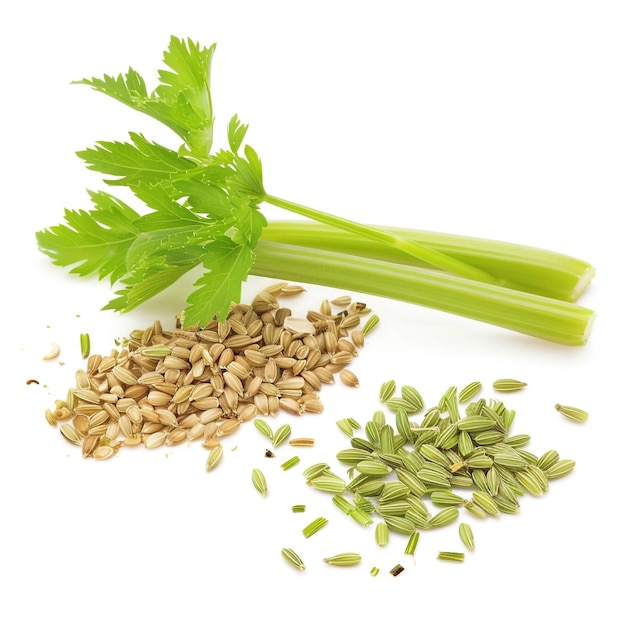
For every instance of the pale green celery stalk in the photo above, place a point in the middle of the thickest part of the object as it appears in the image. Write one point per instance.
(386, 239)
(538, 316)
(517, 266)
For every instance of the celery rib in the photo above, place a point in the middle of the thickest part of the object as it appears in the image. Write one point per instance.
(517, 266)
(387, 239)
(538, 316)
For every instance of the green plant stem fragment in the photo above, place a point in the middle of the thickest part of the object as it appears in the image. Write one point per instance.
(530, 314)
(451, 556)
(396, 241)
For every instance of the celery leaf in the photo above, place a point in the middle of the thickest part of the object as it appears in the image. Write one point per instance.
(95, 241)
(227, 264)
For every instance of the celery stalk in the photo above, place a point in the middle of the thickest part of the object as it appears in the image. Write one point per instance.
(531, 314)
(517, 266)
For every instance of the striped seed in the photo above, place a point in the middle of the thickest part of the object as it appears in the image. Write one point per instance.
(572, 413)
(381, 534)
(466, 534)
(259, 482)
(508, 385)
(344, 559)
(292, 558)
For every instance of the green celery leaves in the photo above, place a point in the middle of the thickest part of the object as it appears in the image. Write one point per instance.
(202, 207)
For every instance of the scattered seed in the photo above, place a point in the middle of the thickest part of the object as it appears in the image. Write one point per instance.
(298, 508)
(572, 413)
(469, 391)
(387, 390)
(259, 482)
(374, 571)
(302, 441)
(345, 426)
(215, 456)
(371, 323)
(349, 378)
(345, 559)
(282, 432)
(560, 468)
(52, 353)
(382, 534)
(292, 558)
(508, 384)
(264, 428)
(466, 534)
(413, 398)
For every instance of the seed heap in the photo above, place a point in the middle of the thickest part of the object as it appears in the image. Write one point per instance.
(420, 475)
(171, 387)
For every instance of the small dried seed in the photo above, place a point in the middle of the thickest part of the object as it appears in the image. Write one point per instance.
(302, 442)
(103, 452)
(53, 352)
(381, 534)
(344, 559)
(466, 534)
(349, 378)
(292, 558)
(572, 413)
(70, 434)
(559, 468)
(259, 482)
(281, 433)
(444, 517)
(215, 456)
(508, 384)
(469, 391)
(371, 323)
(264, 428)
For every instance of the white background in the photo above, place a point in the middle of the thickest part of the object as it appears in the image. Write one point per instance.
(494, 119)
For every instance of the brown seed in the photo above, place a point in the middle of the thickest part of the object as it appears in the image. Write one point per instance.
(103, 452)
(156, 439)
(349, 378)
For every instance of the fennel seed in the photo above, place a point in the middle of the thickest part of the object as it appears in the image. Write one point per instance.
(508, 384)
(292, 558)
(466, 534)
(282, 432)
(344, 559)
(259, 482)
(572, 413)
